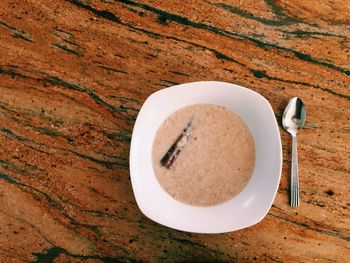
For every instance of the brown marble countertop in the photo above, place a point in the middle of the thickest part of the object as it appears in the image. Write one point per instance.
(73, 76)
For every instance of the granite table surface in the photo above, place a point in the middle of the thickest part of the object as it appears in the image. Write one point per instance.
(73, 76)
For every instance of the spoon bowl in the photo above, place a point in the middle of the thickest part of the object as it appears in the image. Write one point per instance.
(294, 116)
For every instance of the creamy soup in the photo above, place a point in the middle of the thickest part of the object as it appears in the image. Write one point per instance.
(203, 155)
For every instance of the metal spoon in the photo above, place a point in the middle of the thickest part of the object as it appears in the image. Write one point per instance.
(293, 120)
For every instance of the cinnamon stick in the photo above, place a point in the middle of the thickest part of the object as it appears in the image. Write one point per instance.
(177, 147)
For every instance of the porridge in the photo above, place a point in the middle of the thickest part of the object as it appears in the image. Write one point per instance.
(203, 155)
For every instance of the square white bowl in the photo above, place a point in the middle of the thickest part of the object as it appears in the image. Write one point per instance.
(247, 208)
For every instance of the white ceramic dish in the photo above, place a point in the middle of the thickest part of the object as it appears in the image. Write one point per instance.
(246, 209)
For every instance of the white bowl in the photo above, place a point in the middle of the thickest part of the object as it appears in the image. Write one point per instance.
(247, 208)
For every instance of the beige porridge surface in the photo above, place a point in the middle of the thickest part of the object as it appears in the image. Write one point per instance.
(215, 164)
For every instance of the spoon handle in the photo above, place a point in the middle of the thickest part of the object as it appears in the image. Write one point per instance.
(294, 178)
